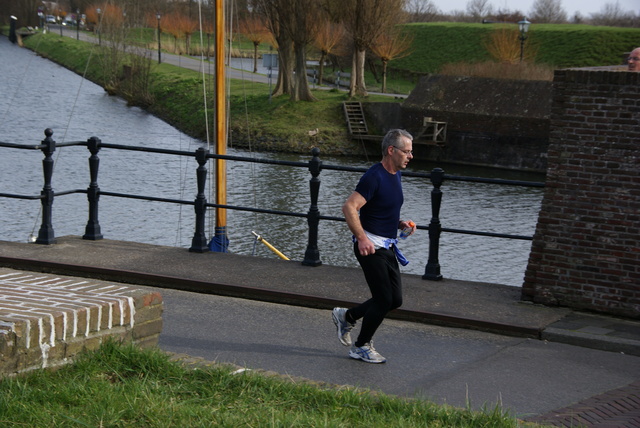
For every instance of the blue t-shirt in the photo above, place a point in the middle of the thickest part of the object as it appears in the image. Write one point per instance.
(383, 193)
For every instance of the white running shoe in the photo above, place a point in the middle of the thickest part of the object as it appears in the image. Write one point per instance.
(367, 354)
(344, 327)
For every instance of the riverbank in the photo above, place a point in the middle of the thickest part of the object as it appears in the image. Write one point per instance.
(478, 131)
(256, 120)
(514, 140)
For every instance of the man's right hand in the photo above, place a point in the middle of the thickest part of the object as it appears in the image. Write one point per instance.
(366, 247)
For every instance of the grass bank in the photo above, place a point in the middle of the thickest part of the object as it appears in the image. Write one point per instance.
(256, 120)
(439, 44)
(121, 386)
(561, 46)
(277, 124)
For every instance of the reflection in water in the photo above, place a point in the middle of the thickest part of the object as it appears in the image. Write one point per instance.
(42, 94)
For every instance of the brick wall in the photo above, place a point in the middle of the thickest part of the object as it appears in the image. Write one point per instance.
(586, 252)
(46, 320)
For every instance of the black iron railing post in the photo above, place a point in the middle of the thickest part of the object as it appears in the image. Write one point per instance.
(45, 234)
(432, 270)
(92, 230)
(312, 255)
(199, 241)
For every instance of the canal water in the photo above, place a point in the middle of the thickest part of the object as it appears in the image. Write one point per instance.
(39, 94)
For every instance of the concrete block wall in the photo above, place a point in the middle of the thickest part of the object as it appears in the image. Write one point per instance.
(586, 248)
(46, 319)
(490, 122)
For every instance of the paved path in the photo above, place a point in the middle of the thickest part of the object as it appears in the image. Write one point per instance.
(589, 365)
(197, 65)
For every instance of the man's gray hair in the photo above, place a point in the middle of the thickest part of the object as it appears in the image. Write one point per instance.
(394, 138)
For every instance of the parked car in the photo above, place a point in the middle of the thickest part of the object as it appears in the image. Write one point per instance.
(50, 19)
(69, 20)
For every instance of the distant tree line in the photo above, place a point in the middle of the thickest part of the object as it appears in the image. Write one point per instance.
(337, 29)
(541, 12)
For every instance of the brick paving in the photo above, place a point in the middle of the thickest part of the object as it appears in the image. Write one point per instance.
(618, 408)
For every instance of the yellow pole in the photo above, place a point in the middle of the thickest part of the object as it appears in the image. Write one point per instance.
(269, 246)
(220, 242)
(221, 117)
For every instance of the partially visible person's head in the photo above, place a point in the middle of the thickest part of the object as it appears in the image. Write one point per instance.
(633, 61)
(397, 138)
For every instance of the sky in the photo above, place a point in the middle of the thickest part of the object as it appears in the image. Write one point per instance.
(585, 7)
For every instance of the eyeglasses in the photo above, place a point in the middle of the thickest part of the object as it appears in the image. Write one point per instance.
(633, 58)
(406, 152)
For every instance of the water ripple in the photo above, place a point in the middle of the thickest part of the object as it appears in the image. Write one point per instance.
(42, 94)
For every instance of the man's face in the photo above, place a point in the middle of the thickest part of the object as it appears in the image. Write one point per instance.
(403, 153)
(633, 62)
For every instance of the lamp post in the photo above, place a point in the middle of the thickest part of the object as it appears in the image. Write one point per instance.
(13, 37)
(159, 48)
(99, 11)
(124, 27)
(524, 27)
(77, 24)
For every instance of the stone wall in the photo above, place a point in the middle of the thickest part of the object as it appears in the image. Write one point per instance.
(586, 249)
(490, 122)
(46, 320)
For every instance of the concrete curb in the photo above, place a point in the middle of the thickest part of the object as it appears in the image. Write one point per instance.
(586, 340)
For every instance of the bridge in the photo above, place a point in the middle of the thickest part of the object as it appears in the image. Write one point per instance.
(535, 341)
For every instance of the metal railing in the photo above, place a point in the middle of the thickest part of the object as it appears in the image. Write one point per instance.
(202, 155)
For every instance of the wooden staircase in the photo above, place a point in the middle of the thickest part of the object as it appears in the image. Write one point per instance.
(355, 118)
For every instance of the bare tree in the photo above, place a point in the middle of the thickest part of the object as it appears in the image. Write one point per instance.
(577, 18)
(300, 19)
(506, 15)
(113, 47)
(548, 12)
(365, 20)
(328, 41)
(457, 15)
(26, 12)
(173, 24)
(612, 14)
(209, 28)
(421, 10)
(136, 10)
(294, 24)
(241, 8)
(500, 44)
(256, 32)
(188, 26)
(609, 13)
(479, 9)
(389, 46)
(271, 10)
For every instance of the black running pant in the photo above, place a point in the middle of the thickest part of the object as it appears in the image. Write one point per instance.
(382, 273)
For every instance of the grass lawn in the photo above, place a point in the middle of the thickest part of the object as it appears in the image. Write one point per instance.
(122, 386)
